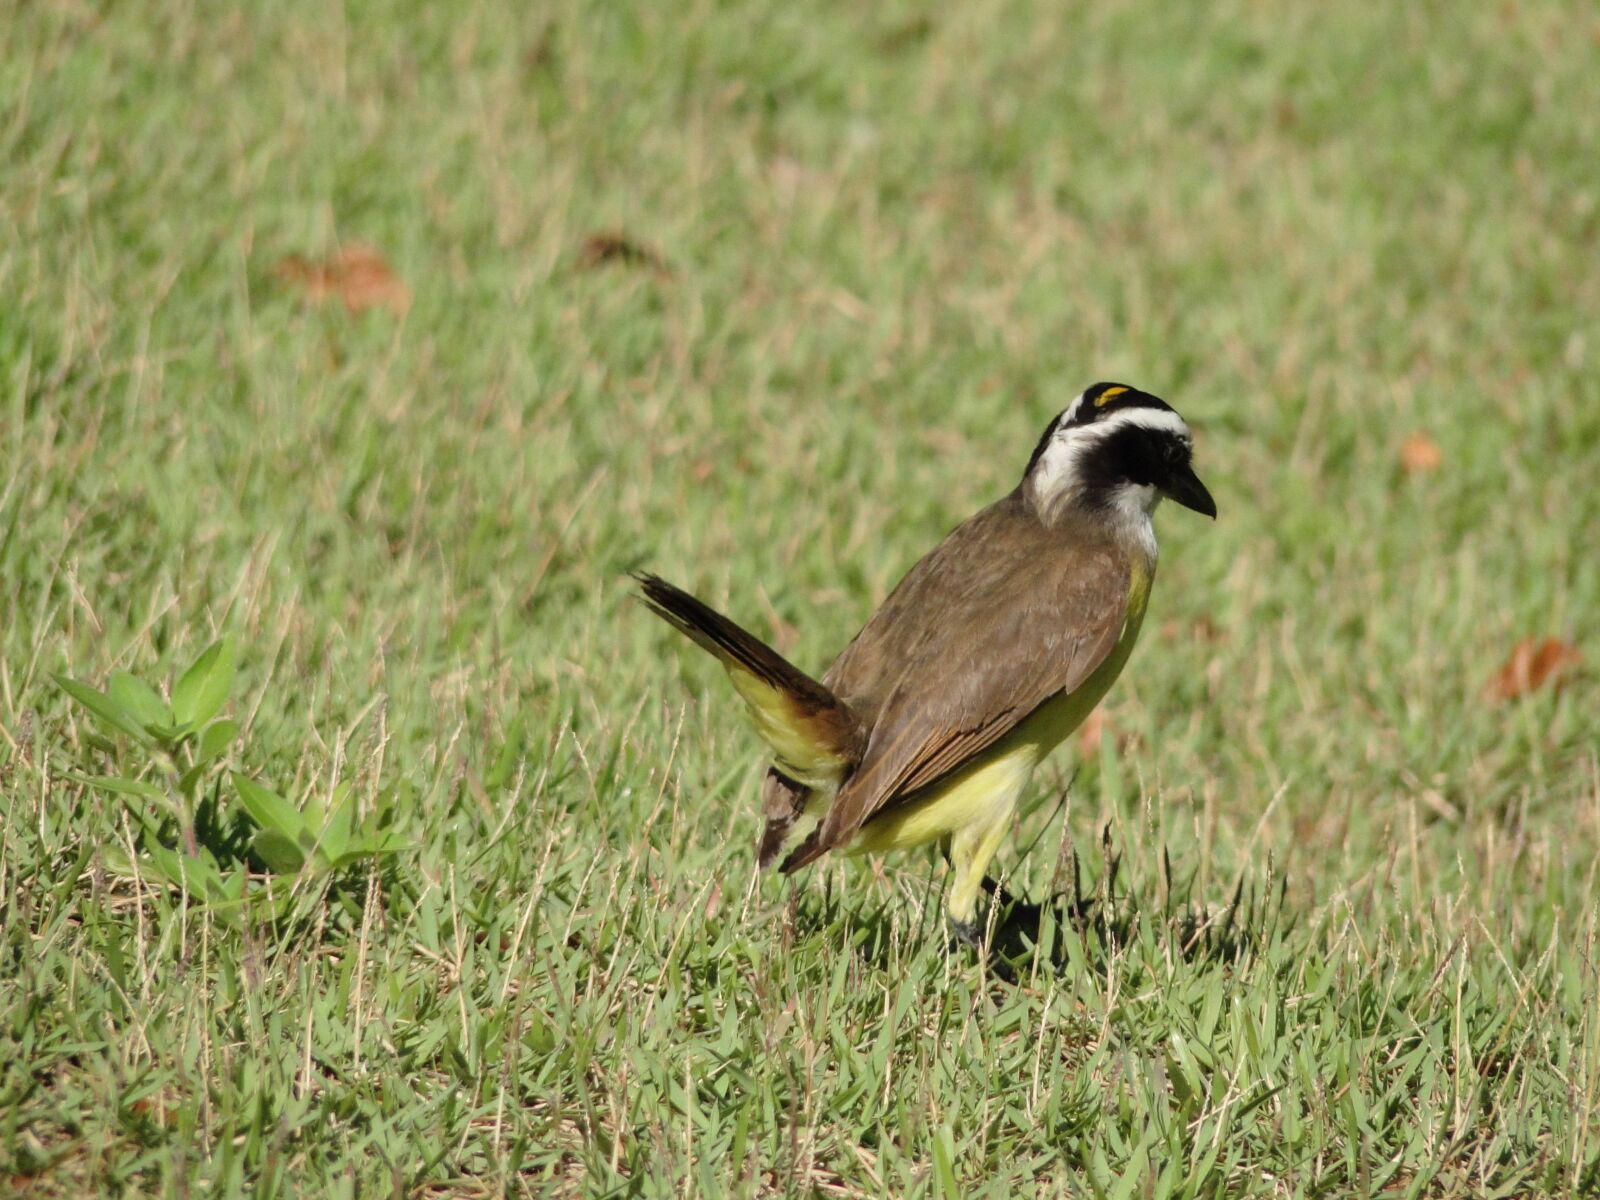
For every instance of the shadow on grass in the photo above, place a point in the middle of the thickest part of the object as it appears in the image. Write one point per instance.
(1114, 915)
(1076, 926)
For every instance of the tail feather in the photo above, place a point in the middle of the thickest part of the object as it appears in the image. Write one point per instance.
(813, 734)
(805, 853)
(783, 802)
(714, 632)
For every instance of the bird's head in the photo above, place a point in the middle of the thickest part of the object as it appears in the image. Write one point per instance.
(1115, 449)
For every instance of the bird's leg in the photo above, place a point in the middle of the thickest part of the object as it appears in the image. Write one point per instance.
(970, 851)
(965, 933)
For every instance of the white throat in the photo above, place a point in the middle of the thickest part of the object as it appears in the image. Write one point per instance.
(1132, 506)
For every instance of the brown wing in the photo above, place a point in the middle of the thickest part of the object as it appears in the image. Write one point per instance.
(957, 577)
(1024, 613)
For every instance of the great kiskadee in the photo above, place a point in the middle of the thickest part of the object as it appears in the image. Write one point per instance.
(988, 653)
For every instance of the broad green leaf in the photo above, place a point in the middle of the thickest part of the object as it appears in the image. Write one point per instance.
(165, 864)
(371, 847)
(200, 879)
(312, 812)
(268, 809)
(102, 706)
(335, 838)
(145, 795)
(218, 736)
(115, 783)
(280, 853)
(214, 742)
(200, 694)
(197, 876)
(139, 700)
(190, 780)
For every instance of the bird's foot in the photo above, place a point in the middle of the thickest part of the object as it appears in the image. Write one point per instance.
(965, 934)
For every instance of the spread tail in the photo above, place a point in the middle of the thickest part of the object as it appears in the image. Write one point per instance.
(814, 736)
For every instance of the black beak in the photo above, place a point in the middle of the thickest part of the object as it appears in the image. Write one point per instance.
(1184, 487)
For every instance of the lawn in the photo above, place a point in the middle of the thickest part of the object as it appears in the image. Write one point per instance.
(372, 346)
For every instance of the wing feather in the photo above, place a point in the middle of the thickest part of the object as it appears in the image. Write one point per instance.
(1037, 612)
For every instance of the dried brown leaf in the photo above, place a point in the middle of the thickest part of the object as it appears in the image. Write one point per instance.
(1531, 665)
(1200, 629)
(906, 34)
(599, 249)
(1092, 731)
(1420, 454)
(357, 276)
(160, 1112)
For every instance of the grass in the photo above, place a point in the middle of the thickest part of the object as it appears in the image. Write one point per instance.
(893, 242)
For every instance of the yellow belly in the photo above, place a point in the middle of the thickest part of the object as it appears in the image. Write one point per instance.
(986, 790)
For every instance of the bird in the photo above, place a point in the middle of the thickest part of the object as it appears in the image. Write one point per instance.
(927, 727)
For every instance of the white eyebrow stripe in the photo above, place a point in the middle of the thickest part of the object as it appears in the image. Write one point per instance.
(1072, 411)
(1162, 419)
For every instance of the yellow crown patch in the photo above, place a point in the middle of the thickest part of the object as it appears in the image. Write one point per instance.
(1109, 394)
